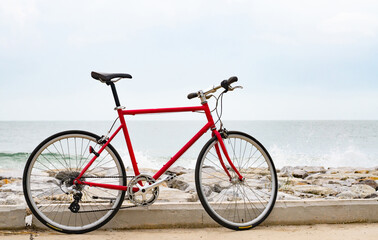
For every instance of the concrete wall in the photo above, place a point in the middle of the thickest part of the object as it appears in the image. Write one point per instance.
(12, 217)
(169, 215)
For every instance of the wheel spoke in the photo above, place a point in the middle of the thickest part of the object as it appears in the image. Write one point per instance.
(231, 202)
(49, 183)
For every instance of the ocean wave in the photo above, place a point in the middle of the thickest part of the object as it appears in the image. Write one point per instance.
(13, 160)
(347, 156)
(13, 155)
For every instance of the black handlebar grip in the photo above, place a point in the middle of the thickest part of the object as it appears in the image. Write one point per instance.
(192, 95)
(232, 80)
(226, 83)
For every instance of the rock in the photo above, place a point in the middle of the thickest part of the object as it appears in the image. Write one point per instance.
(362, 190)
(178, 184)
(314, 169)
(173, 195)
(369, 182)
(313, 176)
(217, 188)
(363, 171)
(340, 170)
(286, 171)
(299, 173)
(5, 181)
(15, 200)
(316, 190)
(333, 171)
(301, 183)
(285, 196)
(347, 195)
(374, 195)
(336, 188)
(178, 170)
(207, 190)
(334, 182)
(325, 176)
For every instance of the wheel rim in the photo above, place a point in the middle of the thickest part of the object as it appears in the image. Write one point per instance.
(234, 202)
(50, 175)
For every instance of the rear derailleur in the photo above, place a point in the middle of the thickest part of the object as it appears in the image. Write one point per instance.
(74, 206)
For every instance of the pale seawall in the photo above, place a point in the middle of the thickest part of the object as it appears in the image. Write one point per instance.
(173, 215)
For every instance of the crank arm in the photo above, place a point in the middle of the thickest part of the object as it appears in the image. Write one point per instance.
(145, 189)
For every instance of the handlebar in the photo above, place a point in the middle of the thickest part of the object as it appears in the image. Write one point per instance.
(226, 84)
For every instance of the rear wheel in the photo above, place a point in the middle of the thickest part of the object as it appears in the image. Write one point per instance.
(51, 193)
(233, 203)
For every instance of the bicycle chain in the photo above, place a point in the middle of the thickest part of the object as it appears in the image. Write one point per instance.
(101, 210)
(106, 176)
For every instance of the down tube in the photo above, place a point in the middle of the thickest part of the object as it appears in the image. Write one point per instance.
(182, 150)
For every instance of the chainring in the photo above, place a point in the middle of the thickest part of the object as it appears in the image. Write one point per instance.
(140, 196)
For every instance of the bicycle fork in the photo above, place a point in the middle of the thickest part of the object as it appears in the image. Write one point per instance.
(223, 147)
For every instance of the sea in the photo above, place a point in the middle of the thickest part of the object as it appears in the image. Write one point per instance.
(290, 143)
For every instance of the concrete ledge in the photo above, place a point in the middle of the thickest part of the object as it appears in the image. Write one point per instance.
(12, 217)
(170, 215)
(323, 211)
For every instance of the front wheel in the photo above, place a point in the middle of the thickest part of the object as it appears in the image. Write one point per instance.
(233, 203)
(49, 187)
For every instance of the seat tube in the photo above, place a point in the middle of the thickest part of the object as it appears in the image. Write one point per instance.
(128, 142)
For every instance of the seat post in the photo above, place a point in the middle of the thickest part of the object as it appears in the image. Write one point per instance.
(115, 95)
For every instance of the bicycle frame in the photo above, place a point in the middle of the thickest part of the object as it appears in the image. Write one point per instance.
(121, 113)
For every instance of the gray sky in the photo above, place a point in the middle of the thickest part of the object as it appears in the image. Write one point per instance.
(295, 59)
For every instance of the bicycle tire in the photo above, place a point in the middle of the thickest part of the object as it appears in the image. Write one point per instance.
(235, 204)
(49, 173)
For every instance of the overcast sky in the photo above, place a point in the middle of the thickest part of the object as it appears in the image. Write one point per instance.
(296, 59)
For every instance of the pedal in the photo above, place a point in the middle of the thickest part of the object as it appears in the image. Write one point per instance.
(170, 177)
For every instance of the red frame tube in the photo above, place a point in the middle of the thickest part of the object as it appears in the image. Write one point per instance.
(209, 125)
(99, 152)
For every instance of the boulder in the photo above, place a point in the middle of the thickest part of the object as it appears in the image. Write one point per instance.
(362, 171)
(286, 171)
(285, 196)
(314, 169)
(362, 190)
(174, 195)
(178, 184)
(178, 170)
(316, 190)
(347, 195)
(374, 195)
(369, 182)
(299, 173)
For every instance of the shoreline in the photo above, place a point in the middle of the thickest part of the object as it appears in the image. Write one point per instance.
(294, 183)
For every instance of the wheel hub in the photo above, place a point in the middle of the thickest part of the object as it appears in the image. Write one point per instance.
(67, 179)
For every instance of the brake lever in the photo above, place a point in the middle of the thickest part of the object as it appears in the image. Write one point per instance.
(233, 88)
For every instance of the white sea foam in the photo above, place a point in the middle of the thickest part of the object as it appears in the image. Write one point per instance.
(335, 157)
(326, 143)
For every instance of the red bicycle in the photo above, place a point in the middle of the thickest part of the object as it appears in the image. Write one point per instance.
(75, 181)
